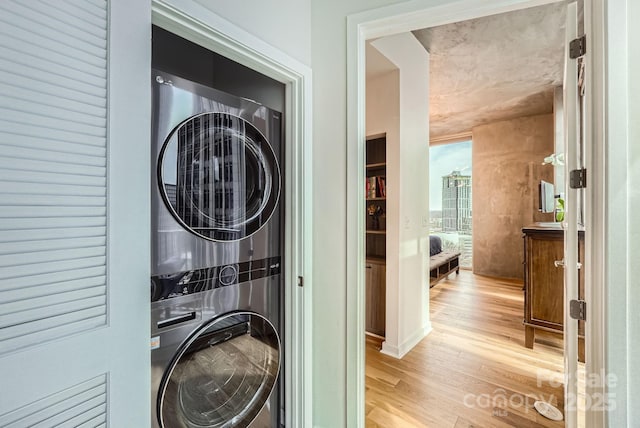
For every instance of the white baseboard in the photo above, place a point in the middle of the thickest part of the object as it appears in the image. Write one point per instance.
(400, 351)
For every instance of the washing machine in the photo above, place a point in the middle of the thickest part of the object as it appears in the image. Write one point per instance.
(216, 285)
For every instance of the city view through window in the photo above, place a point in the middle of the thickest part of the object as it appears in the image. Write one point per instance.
(450, 198)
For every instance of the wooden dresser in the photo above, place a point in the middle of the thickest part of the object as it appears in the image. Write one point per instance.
(544, 282)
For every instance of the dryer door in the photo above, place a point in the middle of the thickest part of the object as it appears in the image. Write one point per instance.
(219, 176)
(223, 375)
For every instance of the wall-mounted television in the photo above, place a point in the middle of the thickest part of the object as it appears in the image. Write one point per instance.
(546, 197)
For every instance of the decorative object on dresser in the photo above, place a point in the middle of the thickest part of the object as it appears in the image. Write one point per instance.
(376, 237)
(441, 263)
(544, 281)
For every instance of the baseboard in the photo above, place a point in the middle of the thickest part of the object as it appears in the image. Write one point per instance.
(400, 351)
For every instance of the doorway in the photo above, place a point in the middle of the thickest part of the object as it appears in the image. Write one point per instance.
(377, 31)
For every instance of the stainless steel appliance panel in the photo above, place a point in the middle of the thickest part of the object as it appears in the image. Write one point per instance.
(189, 117)
(172, 338)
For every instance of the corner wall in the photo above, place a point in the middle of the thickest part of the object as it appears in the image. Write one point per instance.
(507, 167)
(407, 293)
(383, 116)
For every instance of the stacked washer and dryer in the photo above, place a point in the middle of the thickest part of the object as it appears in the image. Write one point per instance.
(216, 287)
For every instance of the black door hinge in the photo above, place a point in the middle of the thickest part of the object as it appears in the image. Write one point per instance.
(578, 178)
(578, 310)
(300, 281)
(578, 47)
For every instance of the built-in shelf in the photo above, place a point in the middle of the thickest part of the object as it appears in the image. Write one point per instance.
(377, 165)
(375, 206)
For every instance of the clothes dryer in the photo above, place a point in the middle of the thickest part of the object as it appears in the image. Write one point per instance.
(217, 355)
(216, 286)
(215, 196)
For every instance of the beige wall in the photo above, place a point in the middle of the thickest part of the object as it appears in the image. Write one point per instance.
(507, 158)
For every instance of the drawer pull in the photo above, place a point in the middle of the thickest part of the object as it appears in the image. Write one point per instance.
(176, 320)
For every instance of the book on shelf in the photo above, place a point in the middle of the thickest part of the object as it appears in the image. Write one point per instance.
(381, 186)
(371, 187)
(376, 187)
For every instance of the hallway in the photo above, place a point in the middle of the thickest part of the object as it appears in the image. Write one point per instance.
(472, 370)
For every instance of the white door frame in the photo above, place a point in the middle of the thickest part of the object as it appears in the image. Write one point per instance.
(417, 14)
(219, 35)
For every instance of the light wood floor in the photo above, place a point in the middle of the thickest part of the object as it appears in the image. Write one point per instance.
(472, 370)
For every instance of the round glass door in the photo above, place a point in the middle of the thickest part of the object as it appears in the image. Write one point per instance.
(219, 176)
(223, 376)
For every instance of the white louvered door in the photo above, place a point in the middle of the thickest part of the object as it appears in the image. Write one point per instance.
(74, 219)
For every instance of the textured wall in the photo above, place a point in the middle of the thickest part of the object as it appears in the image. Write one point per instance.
(507, 168)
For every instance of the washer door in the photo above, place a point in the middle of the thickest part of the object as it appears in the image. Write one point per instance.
(223, 375)
(219, 176)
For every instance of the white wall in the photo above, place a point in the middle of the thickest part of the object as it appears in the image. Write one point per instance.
(408, 175)
(328, 59)
(633, 166)
(383, 116)
(281, 23)
(623, 225)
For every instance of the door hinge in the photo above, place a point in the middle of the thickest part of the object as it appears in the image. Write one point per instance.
(578, 47)
(578, 178)
(578, 310)
(300, 281)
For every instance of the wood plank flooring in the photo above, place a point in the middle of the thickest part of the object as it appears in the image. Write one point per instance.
(472, 370)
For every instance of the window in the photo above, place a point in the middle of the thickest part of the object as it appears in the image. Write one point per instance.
(450, 197)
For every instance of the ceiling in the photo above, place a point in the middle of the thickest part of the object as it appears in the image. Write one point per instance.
(488, 69)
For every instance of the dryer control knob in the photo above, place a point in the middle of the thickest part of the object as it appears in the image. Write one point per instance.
(228, 275)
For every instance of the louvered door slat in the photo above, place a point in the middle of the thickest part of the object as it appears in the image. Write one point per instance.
(66, 402)
(43, 331)
(60, 22)
(55, 111)
(51, 178)
(38, 69)
(50, 189)
(13, 92)
(50, 222)
(52, 200)
(97, 422)
(52, 134)
(37, 212)
(56, 161)
(21, 332)
(22, 306)
(52, 122)
(39, 257)
(95, 8)
(35, 145)
(61, 413)
(61, 288)
(30, 81)
(51, 244)
(44, 281)
(77, 18)
(63, 57)
(88, 413)
(11, 163)
(34, 235)
(22, 320)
